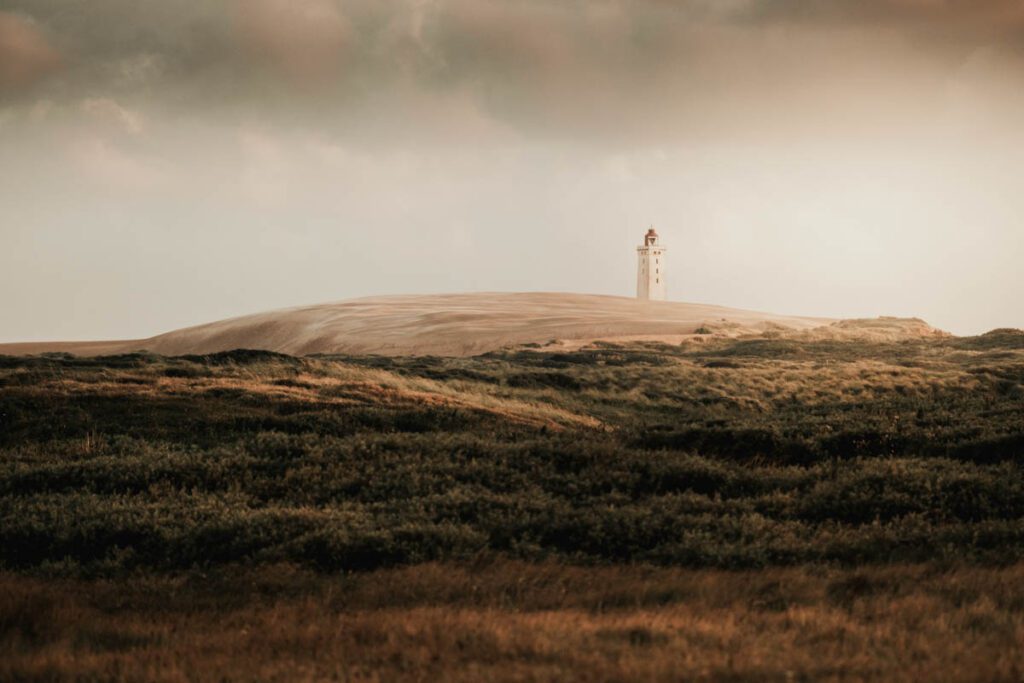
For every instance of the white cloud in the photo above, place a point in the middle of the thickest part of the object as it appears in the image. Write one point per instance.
(108, 111)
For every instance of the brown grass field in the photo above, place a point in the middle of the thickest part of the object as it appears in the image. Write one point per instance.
(512, 621)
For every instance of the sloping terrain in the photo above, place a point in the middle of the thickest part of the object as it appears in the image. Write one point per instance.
(470, 324)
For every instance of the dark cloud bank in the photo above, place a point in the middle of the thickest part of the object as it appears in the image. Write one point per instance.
(575, 69)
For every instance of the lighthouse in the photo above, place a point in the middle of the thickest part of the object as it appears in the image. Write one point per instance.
(650, 269)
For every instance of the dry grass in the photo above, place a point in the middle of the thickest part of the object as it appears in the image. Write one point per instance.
(464, 395)
(761, 383)
(319, 382)
(520, 622)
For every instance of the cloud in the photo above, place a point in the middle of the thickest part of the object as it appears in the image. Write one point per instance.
(606, 72)
(107, 111)
(25, 54)
(306, 40)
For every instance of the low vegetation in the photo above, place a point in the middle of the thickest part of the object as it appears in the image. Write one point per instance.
(743, 453)
(532, 511)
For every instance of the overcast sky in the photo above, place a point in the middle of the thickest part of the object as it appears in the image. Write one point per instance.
(171, 162)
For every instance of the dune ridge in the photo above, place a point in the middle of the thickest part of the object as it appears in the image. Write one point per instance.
(470, 324)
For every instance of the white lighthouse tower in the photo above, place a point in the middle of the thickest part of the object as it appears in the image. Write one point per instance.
(650, 269)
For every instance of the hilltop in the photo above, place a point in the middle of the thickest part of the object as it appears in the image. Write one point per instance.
(470, 324)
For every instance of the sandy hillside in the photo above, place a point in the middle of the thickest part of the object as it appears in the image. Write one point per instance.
(467, 324)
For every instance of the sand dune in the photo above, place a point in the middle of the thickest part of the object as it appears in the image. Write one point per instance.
(468, 324)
